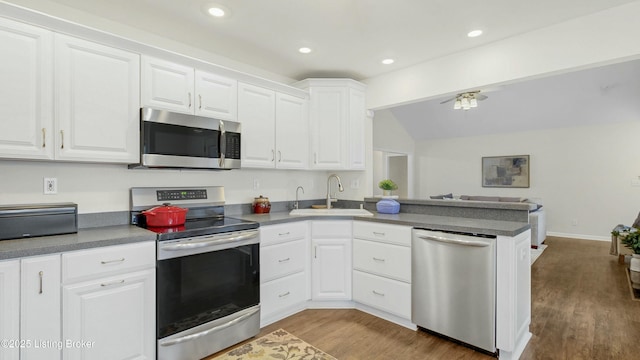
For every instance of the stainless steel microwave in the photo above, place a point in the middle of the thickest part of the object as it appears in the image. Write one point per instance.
(174, 140)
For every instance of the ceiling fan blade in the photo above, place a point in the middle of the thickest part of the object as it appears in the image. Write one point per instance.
(481, 97)
(448, 100)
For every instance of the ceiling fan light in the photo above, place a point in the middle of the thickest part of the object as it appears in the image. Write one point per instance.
(465, 102)
(473, 102)
(457, 105)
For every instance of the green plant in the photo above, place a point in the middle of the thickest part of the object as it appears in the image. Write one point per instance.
(387, 184)
(632, 241)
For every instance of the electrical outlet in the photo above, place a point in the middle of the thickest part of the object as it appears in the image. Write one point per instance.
(256, 184)
(355, 184)
(50, 186)
(574, 222)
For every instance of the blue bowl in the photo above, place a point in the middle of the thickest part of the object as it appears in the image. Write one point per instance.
(388, 206)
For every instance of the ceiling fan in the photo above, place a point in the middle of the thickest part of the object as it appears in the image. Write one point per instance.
(466, 100)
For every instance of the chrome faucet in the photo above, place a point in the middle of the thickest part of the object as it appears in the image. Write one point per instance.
(295, 204)
(340, 188)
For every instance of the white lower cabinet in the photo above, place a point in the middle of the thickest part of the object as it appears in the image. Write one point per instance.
(331, 260)
(284, 270)
(10, 309)
(110, 312)
(40, 307)
(382, 267)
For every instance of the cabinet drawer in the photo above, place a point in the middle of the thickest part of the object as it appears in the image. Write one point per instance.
(87, 264)
(393, 234)
(381, 293)
(392, 261)
(282, 259)
(283, 293)
(338, 229)
(273, 234)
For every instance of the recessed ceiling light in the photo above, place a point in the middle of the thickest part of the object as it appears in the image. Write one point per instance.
(474, 33)
(388, 61)
(304, 50)
(216, 11)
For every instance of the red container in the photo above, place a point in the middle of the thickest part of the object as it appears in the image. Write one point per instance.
(165, 215)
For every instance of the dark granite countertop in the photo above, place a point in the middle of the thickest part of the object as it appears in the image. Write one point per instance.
(83, 239)
(446, 223)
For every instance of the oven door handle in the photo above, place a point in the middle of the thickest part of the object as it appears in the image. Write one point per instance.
(206, 242)
(209, 331)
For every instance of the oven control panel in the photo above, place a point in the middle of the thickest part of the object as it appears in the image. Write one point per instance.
(190, 194)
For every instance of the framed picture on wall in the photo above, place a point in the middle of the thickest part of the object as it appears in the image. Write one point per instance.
(505, 171)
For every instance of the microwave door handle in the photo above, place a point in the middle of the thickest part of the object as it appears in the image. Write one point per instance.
(223, 143)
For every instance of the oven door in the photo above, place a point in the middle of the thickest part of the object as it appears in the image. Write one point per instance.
(205, 278)
(185, 141)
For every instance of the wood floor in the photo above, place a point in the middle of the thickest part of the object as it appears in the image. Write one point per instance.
(581, 309)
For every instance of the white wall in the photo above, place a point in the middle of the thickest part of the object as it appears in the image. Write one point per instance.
(582, 174)
(105, 187)
(604, 37)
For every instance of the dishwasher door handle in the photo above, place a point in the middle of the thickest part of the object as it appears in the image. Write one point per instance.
(454, 241)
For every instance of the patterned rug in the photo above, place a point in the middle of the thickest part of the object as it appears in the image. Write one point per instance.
(278, 345)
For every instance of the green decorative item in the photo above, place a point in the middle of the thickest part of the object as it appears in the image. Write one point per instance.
(632, 241)
(388, 185)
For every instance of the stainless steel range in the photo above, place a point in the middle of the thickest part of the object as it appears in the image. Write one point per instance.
(208, 273)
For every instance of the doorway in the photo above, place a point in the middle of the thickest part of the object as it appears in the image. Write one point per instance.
(395, 166)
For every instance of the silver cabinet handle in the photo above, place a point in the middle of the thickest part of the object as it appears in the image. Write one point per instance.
(455, 241)
(279, 156)
(378, 233)
(209, 331)
(284, 260)
(112, 261)
(315, 252)
(44, 137)
(273, 155)
(283, 234)
(189, 100)
(315, 158)
(378, 259)
(200, 99)
(113, 283)
(285, 294)
(61, 139)
(377, 293)
(41, 274)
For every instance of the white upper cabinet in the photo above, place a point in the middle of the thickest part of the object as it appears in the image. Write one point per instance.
(337, 123)
(216, 96)
(26, 91)
(97, 102)
(179, 88)
(292, 132)
(257, 113)
(274, 128)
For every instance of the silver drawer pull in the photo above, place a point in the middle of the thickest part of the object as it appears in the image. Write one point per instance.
(41, 274)
(285, 294)
(111, 261)
(377, 293)
(113, 283)
(378, 233)
(283, 234)
(378, 259)
(284, 260)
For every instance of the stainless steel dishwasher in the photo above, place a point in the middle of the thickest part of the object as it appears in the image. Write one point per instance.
(454, 286)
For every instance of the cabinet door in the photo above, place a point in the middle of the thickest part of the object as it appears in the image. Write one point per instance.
(257, 113)
(168, 86)
(328, 127)
(116, 314)
(40, 306)
(357, 120)
(216, 96)
(331, 269)
(9, 308)
(26, 91)
(97, 102)
(292, 132)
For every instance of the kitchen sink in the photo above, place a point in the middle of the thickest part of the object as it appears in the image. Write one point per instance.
(330, 212)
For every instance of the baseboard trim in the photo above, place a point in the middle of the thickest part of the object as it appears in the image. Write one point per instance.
(578, 236)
